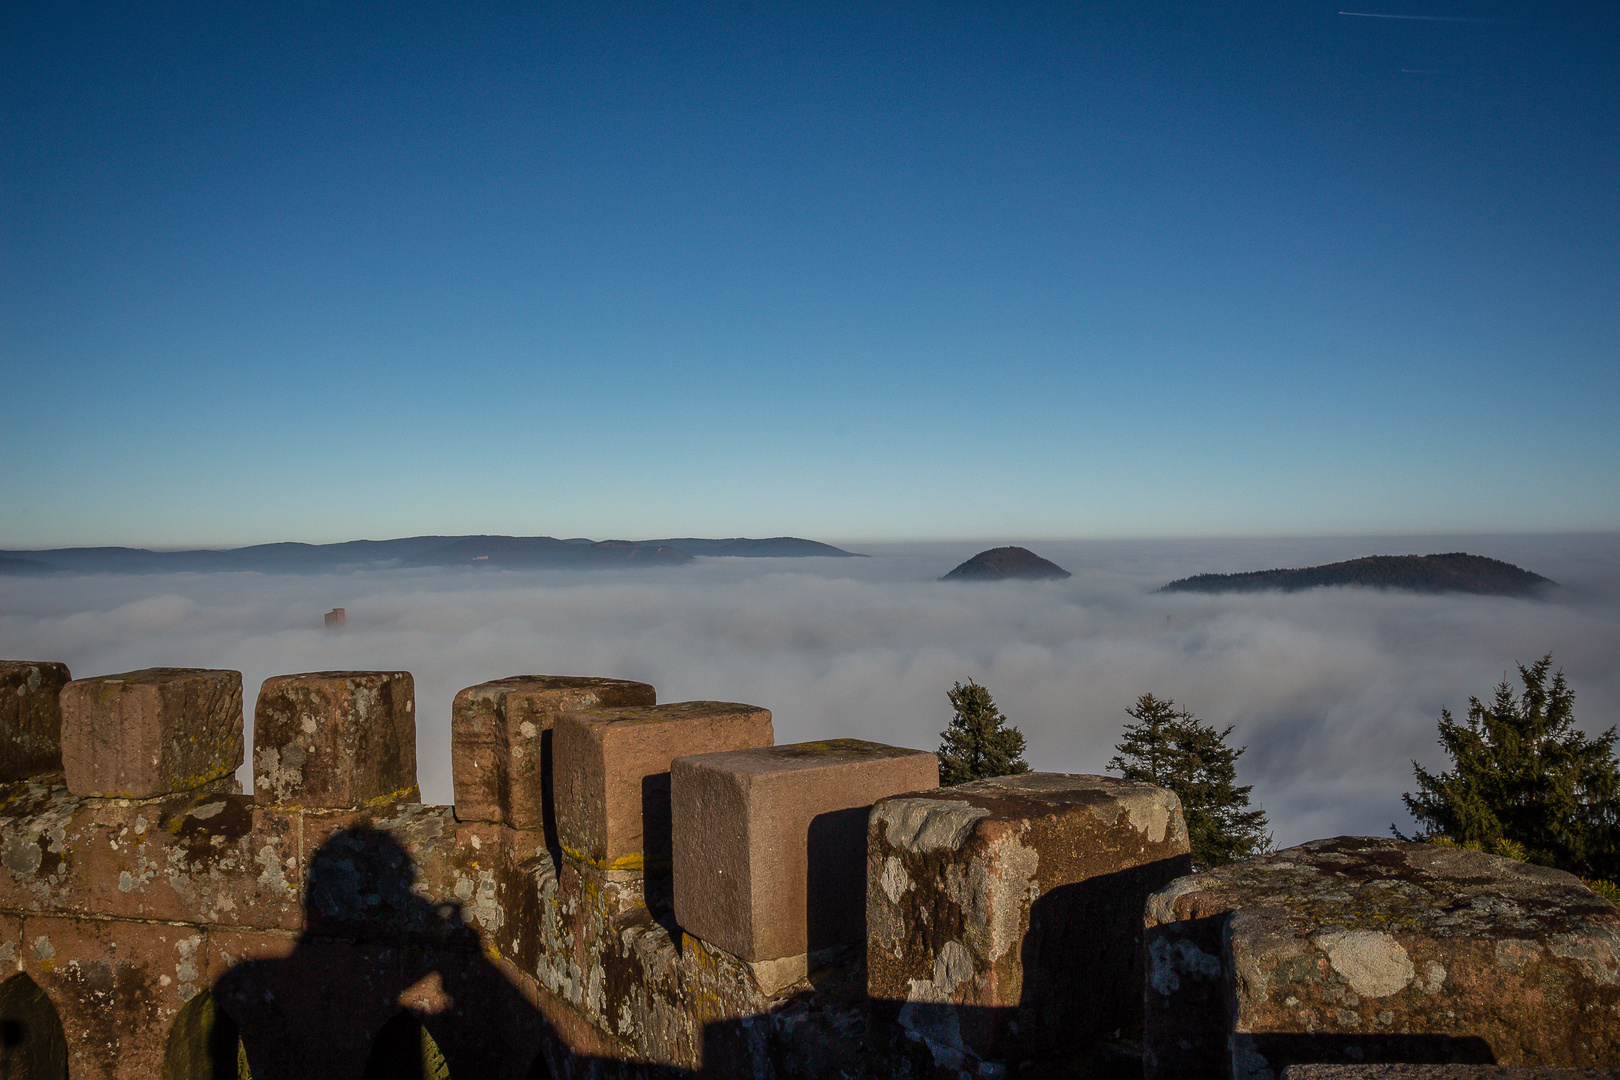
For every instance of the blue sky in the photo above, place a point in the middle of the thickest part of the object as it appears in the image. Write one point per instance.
(866, 271)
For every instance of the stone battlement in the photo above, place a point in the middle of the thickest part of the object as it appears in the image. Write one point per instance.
(628, 888)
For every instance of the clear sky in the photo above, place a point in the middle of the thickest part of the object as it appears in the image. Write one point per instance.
(879, 270)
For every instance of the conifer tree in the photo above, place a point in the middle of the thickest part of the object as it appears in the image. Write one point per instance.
(1174, 749)
(978, 743)
(1523, 777)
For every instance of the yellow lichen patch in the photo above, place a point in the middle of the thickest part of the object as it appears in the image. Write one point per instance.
(404, 794)
(632, 861)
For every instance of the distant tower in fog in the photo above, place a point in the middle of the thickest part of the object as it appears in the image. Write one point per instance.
(334, 619)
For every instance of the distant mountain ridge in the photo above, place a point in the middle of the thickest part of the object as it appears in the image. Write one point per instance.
(775, 547)
(412, 551)
(24, 566)
(1003, 563)
(545, 551)
(1454, 571)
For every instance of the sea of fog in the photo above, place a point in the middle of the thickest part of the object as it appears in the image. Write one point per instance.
(1333, 691)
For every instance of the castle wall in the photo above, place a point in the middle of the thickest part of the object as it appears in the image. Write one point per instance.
(328, 924)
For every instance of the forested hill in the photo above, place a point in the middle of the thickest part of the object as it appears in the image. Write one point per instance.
(511, 552)
(1004, 563)
(1452, 572)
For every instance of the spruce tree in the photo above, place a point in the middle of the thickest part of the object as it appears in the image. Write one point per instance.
(978, 743)
(1524, 778)
(1174, 749)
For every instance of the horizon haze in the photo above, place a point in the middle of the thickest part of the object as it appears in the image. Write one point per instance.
(1333, 690)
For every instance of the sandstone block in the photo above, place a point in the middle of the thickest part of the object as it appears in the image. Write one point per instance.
(770, 843)
(1004, 916)
(158, 731)
(204, 858)
(335, 739)
(1362, 950)
(612, 773)
(117, 987)
(500, 742)
(30, 718)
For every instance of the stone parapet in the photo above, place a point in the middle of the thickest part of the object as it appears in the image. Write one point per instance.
(612, 769)
(30, 718)
(1361, 950)
(500, 742)
(1004, 915)
(340, 739)
(770, 845)
(315, 930)
(311, 926)
(159, 731)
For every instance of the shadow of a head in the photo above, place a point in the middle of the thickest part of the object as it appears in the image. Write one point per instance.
(362, 886)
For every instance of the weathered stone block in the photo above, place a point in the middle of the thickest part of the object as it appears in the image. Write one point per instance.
(1367, 950)
(202, 858)
(335, 739)
(30, 718)
(770, 843)
(612, 768)
(500, 742)
(1004, 916)
(117, 987)
(35, 817)
(154, 732)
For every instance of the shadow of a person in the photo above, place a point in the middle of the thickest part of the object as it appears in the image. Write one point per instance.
(384, 984)
(381, 984)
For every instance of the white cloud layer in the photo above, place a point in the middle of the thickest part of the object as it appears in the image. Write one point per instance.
(1333, 691)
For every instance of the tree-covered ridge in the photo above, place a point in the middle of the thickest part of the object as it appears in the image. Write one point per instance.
(511, 552)
(1454, 571)
(1002, 563)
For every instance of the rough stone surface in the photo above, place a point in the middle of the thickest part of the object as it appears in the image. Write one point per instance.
(116, 985)
(1004, 915)
(30, 718)
(1406, 1071)
(503, 954)
(1361, 950)
(204, 857)
(500, 742)
(154, 732)
(770, 843)
(336, 922)
(612, 767)
(335, 739)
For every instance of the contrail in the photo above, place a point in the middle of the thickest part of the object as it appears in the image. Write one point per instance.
(1419, 18)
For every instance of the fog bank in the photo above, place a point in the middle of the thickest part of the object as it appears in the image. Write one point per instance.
(1334, 691)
